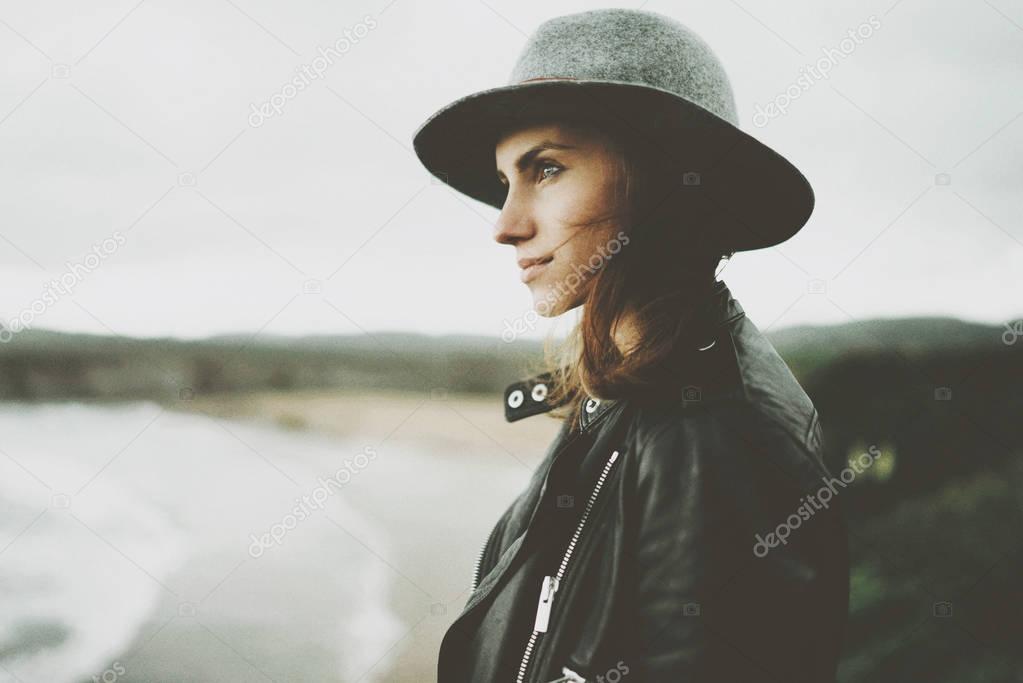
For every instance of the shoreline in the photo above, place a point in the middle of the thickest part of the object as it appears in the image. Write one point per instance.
(450, 445)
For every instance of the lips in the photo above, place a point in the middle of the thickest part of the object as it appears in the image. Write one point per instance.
(527, 262)
(533, 267)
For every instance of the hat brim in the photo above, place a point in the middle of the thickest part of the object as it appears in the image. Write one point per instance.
(751, 196)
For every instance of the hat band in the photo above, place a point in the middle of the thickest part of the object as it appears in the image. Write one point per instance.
(548, 78)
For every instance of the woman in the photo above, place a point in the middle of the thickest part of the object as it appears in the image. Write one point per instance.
(679, 527)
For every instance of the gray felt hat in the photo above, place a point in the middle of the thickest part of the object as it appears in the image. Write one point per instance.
(647, 73)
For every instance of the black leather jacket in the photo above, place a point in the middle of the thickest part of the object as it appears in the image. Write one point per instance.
(648, 546)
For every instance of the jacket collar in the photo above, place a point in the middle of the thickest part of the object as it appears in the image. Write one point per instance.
(696, 382)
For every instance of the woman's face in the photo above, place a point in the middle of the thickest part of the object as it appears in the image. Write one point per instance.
(560, 210)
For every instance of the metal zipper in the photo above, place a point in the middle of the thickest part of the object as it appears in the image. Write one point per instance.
(479, 561)
(549, 585)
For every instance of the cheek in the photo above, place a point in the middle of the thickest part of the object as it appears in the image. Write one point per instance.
(588, 253)
(587, 198)
(582, 258)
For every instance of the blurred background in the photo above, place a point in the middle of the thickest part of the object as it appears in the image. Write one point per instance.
(252, 354)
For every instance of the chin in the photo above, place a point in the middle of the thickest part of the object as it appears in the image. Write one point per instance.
(549, 306)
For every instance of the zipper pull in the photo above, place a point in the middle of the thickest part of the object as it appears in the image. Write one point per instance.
(543, 609)
(568, 676)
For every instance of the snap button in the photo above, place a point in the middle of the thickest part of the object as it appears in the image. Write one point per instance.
(704, 348)
(592, 404)
(540, 392)
(515, 398)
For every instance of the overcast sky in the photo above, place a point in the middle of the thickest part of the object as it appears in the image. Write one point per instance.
(126, 132)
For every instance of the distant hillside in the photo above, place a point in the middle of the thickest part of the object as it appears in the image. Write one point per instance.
(43, 364)
(907, 334)
(808, 347)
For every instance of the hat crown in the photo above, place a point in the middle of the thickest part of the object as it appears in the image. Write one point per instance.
(628, 46)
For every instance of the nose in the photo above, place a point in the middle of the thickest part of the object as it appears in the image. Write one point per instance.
(514, 224)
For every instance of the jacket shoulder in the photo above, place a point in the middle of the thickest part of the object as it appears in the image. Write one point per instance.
(773, 393)
(764, 419)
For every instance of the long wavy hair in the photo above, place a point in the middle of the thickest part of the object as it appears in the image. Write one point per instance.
(663, 270)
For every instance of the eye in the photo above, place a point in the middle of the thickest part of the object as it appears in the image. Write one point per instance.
(544, 167)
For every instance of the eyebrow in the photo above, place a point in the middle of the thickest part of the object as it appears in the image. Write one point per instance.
(527, 157)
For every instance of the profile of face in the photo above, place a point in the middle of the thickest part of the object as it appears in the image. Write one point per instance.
(561, 213)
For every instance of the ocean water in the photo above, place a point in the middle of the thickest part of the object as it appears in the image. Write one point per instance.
(126, 551)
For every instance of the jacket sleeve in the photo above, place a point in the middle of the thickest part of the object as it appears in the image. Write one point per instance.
(708, 605)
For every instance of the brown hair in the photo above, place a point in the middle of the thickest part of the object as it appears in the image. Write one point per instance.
(663, 271)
